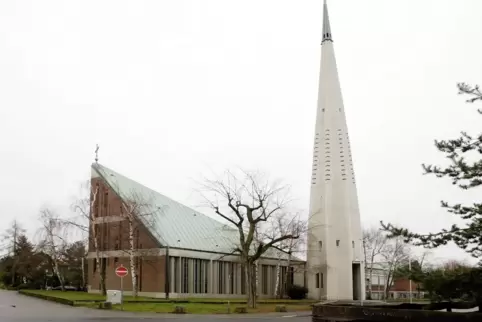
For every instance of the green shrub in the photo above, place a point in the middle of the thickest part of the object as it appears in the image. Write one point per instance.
(23, 287)
(47, 297)
(105, 306)
(280, 308)
(297, 292)
(241, 310)
(178, 309)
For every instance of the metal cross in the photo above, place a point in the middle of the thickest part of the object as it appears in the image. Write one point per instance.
(96, 153)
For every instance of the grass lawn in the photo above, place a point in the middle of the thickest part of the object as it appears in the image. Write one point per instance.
(83, 296)
(160, 305)
(200, 308)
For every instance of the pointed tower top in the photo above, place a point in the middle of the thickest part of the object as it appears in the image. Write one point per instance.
(326, 24)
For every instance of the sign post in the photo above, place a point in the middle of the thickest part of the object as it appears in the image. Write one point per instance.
(121, 272)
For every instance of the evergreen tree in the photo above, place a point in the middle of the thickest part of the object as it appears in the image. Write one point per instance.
(463, 173)
(73, 255)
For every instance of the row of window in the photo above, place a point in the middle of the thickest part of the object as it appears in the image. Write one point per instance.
(192, 275)
(320, 243)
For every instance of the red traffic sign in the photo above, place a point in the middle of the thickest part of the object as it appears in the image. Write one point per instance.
(121, 271)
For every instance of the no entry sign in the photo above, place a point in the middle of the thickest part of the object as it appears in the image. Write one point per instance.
(121, 271)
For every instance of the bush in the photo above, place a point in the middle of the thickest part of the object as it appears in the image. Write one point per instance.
(47, 297)
(240, 310)
(179, 309)
(297, 292)
(105, 306)
(27, 286)
(280, 308)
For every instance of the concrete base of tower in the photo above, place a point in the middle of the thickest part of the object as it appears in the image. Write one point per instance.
(345, 284)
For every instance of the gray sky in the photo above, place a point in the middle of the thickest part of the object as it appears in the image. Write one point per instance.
(175, 89)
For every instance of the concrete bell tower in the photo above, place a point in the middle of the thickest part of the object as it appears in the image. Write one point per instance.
(335, 268)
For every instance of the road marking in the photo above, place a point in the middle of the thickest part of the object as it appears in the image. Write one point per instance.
(289, 316)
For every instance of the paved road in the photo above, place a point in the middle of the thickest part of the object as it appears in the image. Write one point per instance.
(19, 308)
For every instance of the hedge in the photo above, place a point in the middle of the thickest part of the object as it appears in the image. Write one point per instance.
(48, 298)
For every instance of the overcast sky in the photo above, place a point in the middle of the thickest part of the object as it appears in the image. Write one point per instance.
(171, 90)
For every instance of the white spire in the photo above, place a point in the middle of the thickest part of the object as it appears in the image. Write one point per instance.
(326, 24)
(335, 271)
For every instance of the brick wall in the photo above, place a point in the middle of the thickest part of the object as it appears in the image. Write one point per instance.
(113, 237)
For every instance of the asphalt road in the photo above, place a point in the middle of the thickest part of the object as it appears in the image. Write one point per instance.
(19, 308)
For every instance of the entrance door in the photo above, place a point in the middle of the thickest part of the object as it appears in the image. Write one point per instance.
(356, 270)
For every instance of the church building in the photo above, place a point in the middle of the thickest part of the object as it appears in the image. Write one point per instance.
(179, 252)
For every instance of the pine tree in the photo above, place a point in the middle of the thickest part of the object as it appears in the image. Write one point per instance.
(466, 175)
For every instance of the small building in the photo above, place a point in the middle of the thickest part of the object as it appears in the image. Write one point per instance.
(399, 288)
(179, 252)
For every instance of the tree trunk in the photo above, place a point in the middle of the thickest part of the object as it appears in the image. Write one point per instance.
(449, 306)
(256, 280)
(388, 285)
(250, 274)
(287, 277)
(57, 272)
(370, 282)
(83, 273)
(132, 259)
(100, 268)
(277, 288)
(14, 274)
(251, 281)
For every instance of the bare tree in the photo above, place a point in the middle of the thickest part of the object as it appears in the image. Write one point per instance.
(52, 241)
(294, 225)
(9, 244)
(375, 243)
(84, 208)
(250, 204)
(395, 255)
(138, 212)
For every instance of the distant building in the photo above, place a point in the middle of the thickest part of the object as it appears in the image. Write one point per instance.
(399, 288)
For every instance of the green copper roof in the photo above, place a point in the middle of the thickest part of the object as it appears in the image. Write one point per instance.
(174, 224)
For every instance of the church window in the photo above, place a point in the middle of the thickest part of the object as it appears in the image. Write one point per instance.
(232, 278)
(320, 243)
(221, 277)
(353, 244)
(185, 275)
(337, 242)
(106, 198)
(319, 280)
(264, 279)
